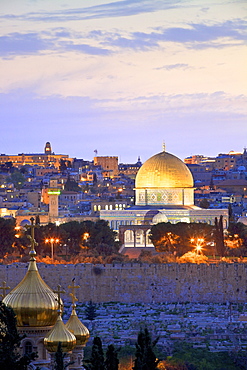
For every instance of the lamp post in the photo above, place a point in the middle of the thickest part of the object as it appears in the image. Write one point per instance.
(52, 241)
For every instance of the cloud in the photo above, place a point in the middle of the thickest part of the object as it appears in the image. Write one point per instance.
(174, 66)
(55, 40)
(86, 49)
(97, 42)
(195, 36)
(20, 44)
(114, 9)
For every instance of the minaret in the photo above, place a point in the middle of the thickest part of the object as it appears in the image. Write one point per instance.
(53, 192)
(79, 330)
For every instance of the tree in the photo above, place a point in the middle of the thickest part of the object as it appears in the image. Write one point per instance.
(230, 214)
(7, 235)
(59, 359)
(71, 185)
(111, 362)
(10, 341)
(96, 361)
(189, 358)
(90, 311)
(101, 234)
(17, 178)
(176, 238)
(204, 203)
(145, 356)
(219, 237)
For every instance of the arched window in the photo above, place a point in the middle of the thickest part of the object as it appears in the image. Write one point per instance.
(28, 348)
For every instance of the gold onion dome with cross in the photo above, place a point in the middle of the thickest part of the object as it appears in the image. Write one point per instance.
(33, 302)
(59, 333)
(74, 324)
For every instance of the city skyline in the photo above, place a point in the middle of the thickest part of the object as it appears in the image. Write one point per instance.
(122, 77)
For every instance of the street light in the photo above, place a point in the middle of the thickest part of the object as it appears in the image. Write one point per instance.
(199, 242)
(52, 241)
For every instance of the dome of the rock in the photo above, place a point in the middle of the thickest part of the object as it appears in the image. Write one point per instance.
(164, 170)
(164, 180)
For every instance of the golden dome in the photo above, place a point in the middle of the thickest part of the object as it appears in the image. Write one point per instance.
(33, 302)
(59, 333)
(164, 170)
(78, 329)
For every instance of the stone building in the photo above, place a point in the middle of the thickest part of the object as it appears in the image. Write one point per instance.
(164, 192)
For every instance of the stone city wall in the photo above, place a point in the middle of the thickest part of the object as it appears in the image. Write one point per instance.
(136, 282)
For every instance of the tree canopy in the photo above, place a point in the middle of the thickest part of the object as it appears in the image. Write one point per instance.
(179, 238)
(10, 341)
(7, 235)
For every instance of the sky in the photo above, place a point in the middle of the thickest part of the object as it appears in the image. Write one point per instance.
(122, 77)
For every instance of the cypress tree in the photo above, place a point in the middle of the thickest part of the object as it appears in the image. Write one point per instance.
(90, 311)
(111, 362)
(96, 361)
(145, 355)
(219, 237)
(59, 359)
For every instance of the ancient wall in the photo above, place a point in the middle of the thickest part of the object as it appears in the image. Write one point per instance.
(142, 282)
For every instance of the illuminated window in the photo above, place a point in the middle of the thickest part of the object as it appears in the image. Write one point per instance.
(99, 207)
(116, 206)
(95, 208)
(106, 207)
(110, 207)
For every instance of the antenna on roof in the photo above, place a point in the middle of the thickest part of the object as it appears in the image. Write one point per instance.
(163, 146)
(96, 152)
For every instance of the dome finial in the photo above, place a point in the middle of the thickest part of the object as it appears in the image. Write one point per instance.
(34, 244)
(59, 300)
(73, 287)
(163, 146)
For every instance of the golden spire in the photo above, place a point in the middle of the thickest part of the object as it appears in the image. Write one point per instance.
(32, 300)
(59, 333)
(74, 324)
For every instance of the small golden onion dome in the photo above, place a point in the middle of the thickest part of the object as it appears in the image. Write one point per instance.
(78, 329)
(33, 302)
(59, 333)
(164, 170)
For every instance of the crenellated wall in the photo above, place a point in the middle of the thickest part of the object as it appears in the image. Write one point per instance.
(136, 282)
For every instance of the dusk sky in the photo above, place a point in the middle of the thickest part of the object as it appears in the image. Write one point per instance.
(123, 76)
